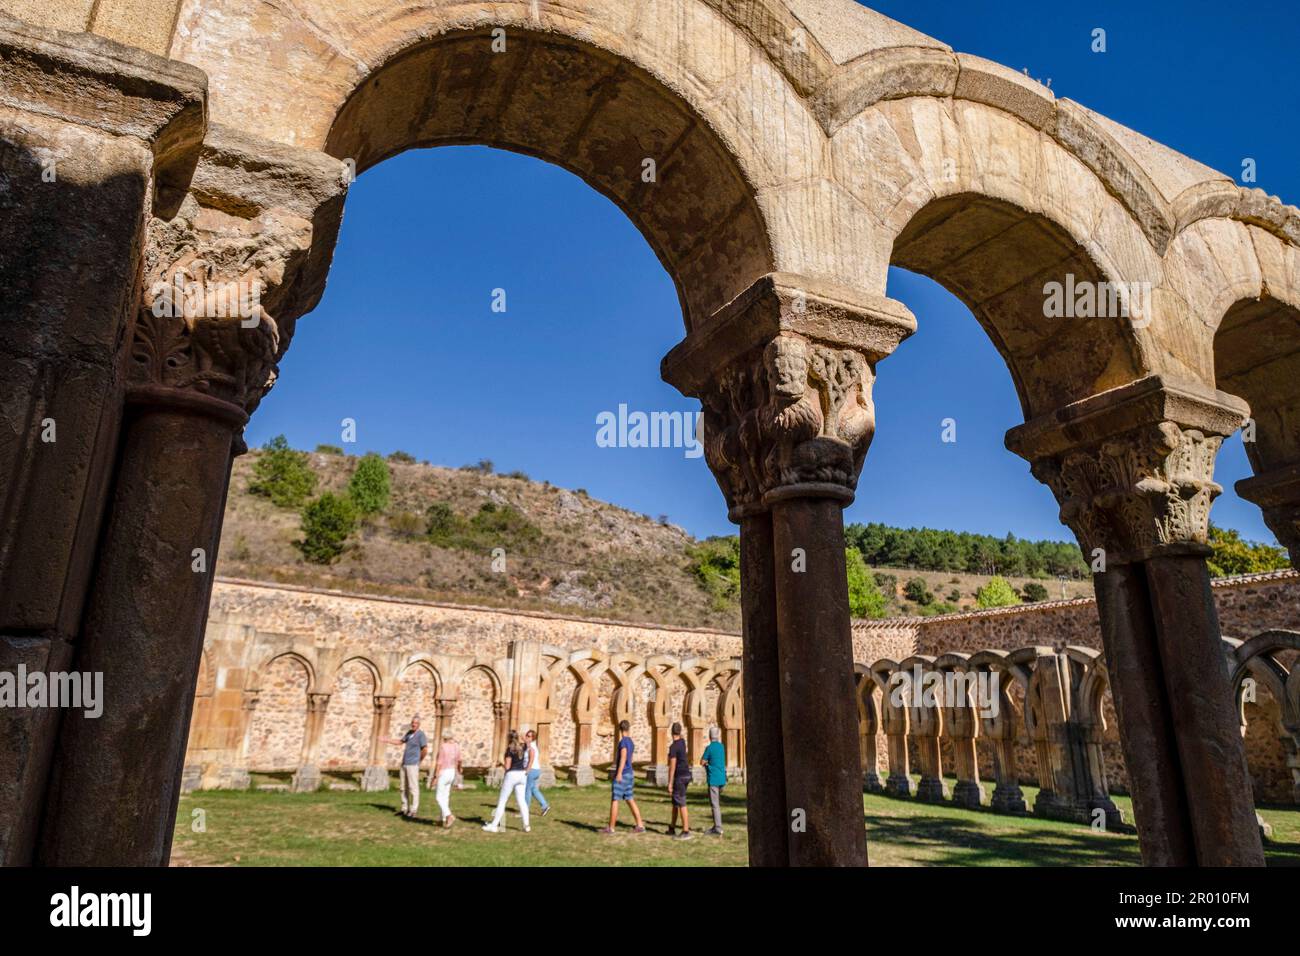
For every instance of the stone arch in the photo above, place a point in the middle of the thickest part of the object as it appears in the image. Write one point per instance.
(599, 115)
(419, 685)
(999, 258)
(257, 672)
(345, 736)
(478, 693)
(278, 727)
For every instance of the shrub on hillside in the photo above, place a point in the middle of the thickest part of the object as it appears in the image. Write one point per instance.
(326, 524)
(997, 593)
(865, 599)
(406, 524)
(328, 450)
(494, 526)
(1035, 592)
(282, 474)
(402, 457)
(715, 564)
(370, 486)
(916, 590)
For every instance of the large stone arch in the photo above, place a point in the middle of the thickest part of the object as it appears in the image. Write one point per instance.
(801, 146)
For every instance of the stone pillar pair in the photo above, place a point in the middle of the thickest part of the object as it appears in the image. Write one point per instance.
(1132, 469)
(222, 283)
(584, 719)
(375, 776)
(785, 375)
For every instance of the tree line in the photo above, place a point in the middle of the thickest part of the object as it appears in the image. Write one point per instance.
(929, 549)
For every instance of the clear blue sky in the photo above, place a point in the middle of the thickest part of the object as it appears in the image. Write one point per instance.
(406, 343)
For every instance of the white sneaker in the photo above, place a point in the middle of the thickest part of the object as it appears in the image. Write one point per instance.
(491, 829)
(528, 829)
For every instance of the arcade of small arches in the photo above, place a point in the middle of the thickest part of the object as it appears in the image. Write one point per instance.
(1033, 715)
(801, 148)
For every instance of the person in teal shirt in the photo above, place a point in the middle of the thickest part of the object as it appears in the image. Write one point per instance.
(714, 761)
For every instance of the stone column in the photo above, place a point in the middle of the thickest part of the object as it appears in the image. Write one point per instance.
(898, 782)
(584, 717)
(960, 721)
(696, 719)
(94, 138)
(868, 728)
(443, 715)
(375, 777)
(764, 753)
(1133, 471)
(236, 776)
(500, 734)
(731, 722)
(998, 726)
(307, 777)
(924, 721)
(784, 374)
(660, 720)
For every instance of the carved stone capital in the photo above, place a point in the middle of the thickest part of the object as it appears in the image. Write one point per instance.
(1277, 493)
(227, 277)
(785, 374)
(1133, 468)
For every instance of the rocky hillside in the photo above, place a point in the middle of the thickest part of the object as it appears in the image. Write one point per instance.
(563, 550)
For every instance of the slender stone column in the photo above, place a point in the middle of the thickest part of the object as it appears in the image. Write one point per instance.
(959, 718)
(500, 734)
(764, 753)
(307, 777)
(868, 728)
(898, 782)
(1133, 471)
(657, 772)
(924, 724)
(1211, 754)
(785, 374)
(823, 767)
(375, 777)
(696, 719)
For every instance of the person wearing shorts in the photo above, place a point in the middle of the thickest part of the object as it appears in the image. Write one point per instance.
(679, 776)
(624, 776)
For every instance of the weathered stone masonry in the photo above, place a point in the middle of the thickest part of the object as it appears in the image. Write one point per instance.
(801, 148)
(273, 653)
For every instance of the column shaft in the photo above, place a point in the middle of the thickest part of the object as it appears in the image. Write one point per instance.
(144, 632)
(823, 767)
(764, 757)
(1211, 752)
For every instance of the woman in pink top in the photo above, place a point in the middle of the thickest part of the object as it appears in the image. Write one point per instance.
(445, 768)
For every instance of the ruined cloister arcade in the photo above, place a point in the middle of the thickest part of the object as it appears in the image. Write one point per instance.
(798, 149)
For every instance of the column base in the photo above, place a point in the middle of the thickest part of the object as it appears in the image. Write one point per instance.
(1052, 807)
(931, 790)
(191, 778)
(871, 782)
(657, 775)
(547, 779)
(581, 776)
(737, 775)
(898, 785)
(968, 793)
(1265, 831)
(375, 779)
(698, 776)
(306, 780)
(232, 778)
(1008, 799)
(494, 777)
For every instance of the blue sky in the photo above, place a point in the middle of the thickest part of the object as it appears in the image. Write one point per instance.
(406, 342)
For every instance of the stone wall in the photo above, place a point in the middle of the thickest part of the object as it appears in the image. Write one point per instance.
(480, 671)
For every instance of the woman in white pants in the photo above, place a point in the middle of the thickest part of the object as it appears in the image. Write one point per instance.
(516, 764)
(445, 768)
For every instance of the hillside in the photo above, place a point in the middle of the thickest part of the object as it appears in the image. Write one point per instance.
(564, 551)
(574, 553)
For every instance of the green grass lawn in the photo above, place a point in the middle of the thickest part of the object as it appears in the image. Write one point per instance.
(349, 828)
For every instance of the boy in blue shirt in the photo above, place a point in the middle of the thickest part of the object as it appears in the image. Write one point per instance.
(624, 777)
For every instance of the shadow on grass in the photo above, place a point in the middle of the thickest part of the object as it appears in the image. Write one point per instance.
(964, 843)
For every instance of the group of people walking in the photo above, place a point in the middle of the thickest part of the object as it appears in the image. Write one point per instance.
(522, 765)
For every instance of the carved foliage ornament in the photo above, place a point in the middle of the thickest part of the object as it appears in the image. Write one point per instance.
(1137, 494)
(212, 284)
(795, 416)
